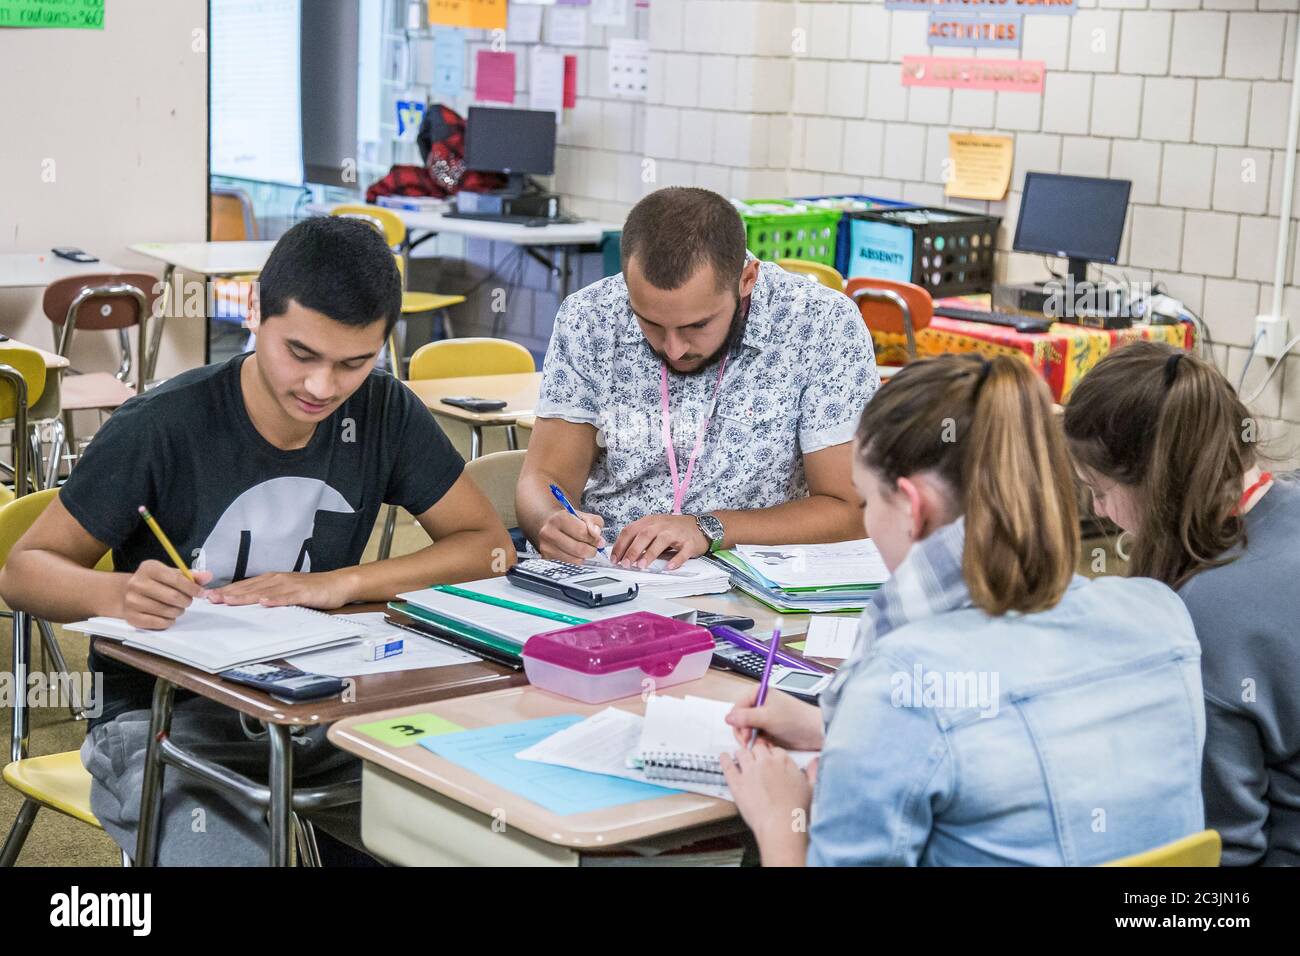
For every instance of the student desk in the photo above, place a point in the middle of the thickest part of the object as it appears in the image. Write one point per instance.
(208, 259)
(403, 689)
(24, 270)
(420, 809)
(561, 238)
(519, 390)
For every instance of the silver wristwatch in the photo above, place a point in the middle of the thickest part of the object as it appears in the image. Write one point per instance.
(712, 529)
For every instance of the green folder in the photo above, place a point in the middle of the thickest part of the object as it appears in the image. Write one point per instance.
(470, 637)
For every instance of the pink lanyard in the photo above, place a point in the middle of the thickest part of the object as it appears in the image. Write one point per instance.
(679, 489)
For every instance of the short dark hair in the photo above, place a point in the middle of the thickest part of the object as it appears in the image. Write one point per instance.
(340, 267)
(674, 231)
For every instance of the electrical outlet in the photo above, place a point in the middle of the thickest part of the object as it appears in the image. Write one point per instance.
(1271, 331)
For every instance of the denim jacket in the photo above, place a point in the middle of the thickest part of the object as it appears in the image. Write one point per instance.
(1070, 736)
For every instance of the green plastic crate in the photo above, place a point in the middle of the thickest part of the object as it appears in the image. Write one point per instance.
(781, 229)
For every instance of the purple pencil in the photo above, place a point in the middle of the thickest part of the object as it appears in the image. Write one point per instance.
(767, 676)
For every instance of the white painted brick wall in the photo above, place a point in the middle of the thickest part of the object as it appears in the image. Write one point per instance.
(1116, 105)
(1198, 43)
(1209, 243)
(1222, 109)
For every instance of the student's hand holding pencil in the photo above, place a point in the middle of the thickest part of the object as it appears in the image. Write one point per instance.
(783, 719)
(156, 594)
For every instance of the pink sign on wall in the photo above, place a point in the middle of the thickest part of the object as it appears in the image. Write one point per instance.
(969, 73)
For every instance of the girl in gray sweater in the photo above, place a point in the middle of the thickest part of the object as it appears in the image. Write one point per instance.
(1169, 453)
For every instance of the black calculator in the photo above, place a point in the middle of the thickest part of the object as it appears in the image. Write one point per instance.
(586, 587)
(285, 682)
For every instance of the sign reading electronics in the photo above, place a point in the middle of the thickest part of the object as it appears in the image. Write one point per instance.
(968, 73)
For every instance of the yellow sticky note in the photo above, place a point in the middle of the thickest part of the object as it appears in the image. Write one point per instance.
(979, 166)
(475, 14)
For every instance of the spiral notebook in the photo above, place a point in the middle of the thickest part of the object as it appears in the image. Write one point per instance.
(216, 637)
(683, 737)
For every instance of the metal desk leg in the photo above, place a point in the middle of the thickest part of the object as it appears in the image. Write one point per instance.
(150, 362)
(475, 441)
(160, 725)
(22, 651)
(563, 256)
(280, 810)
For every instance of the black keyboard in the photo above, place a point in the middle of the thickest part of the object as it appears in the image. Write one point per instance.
(1021, 323)
(512, 220)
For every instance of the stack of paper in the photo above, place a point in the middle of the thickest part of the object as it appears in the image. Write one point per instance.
(804, 578)
(217, 637)
(696, 576)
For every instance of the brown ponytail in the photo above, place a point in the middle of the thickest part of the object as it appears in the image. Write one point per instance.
(1169, 426)
(987, 428)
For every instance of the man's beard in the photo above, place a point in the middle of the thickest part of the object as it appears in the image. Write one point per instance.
(739, 320)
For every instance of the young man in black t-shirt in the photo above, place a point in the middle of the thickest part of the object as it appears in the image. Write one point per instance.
(267, 472)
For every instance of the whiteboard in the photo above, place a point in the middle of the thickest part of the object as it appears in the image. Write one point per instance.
(256, 90)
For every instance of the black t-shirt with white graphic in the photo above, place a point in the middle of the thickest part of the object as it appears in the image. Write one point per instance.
(234, 504)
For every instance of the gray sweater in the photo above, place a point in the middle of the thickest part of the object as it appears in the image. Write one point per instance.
(1247, 616)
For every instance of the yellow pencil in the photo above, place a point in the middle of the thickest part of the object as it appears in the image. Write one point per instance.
(162, 539)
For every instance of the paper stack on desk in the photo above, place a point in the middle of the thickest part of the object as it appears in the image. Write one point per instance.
(804, 578)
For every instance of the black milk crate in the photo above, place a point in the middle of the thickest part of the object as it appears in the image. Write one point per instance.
(944, 251)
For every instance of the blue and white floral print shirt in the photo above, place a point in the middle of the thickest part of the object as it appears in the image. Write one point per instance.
(795, 384)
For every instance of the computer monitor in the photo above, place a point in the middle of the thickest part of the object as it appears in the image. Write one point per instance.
(514, 142)
(1078, 217)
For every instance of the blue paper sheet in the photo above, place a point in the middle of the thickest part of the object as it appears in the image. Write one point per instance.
(490, 753)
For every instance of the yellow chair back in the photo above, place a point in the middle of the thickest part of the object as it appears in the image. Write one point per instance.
(19, 514)
(28, 363)
(497, 475)
(826, 275)
(385, 220)
(455, 358)
(1199, 849)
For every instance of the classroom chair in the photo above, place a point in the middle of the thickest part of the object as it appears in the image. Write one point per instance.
(1199, 849)
(390, 225)
(231, 215)
(826, 275)
(57, 781)
(22, 383)
(457, 358)
(900, 308)
(497, 475)
(98, 302)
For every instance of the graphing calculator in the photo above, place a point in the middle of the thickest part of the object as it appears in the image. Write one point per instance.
(569, 582)
(805, 684)
(285, 682)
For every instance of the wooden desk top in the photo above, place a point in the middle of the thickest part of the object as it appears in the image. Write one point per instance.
(372, 691)
(518, 390)
(596, 829)
(52, 360)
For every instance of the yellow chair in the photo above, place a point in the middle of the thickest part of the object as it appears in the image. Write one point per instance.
(457, 358)
(22, 382)
(390, 225)
(57, 781)
(826, 275)
(1199, 849)
(497, 475)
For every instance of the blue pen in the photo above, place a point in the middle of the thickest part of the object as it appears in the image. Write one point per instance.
(767, 676)
(559, 496)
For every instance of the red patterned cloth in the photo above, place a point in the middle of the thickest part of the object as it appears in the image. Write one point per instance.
(442, 144)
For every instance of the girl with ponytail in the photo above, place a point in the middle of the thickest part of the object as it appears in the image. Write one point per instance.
(1169, 453)
(997, 709)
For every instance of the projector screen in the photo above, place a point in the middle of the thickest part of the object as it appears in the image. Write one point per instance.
(256, 90)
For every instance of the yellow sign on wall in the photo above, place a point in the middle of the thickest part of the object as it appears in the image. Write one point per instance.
(475, 14)
(979, 166)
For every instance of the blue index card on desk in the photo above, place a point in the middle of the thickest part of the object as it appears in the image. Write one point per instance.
(490, 753)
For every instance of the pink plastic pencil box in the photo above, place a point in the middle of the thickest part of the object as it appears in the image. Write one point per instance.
(614, 658)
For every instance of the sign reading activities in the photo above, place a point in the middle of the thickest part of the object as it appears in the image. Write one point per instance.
(979, 166)
(1067, 7)
(72, 14)
(960, 29)
(968, 73)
